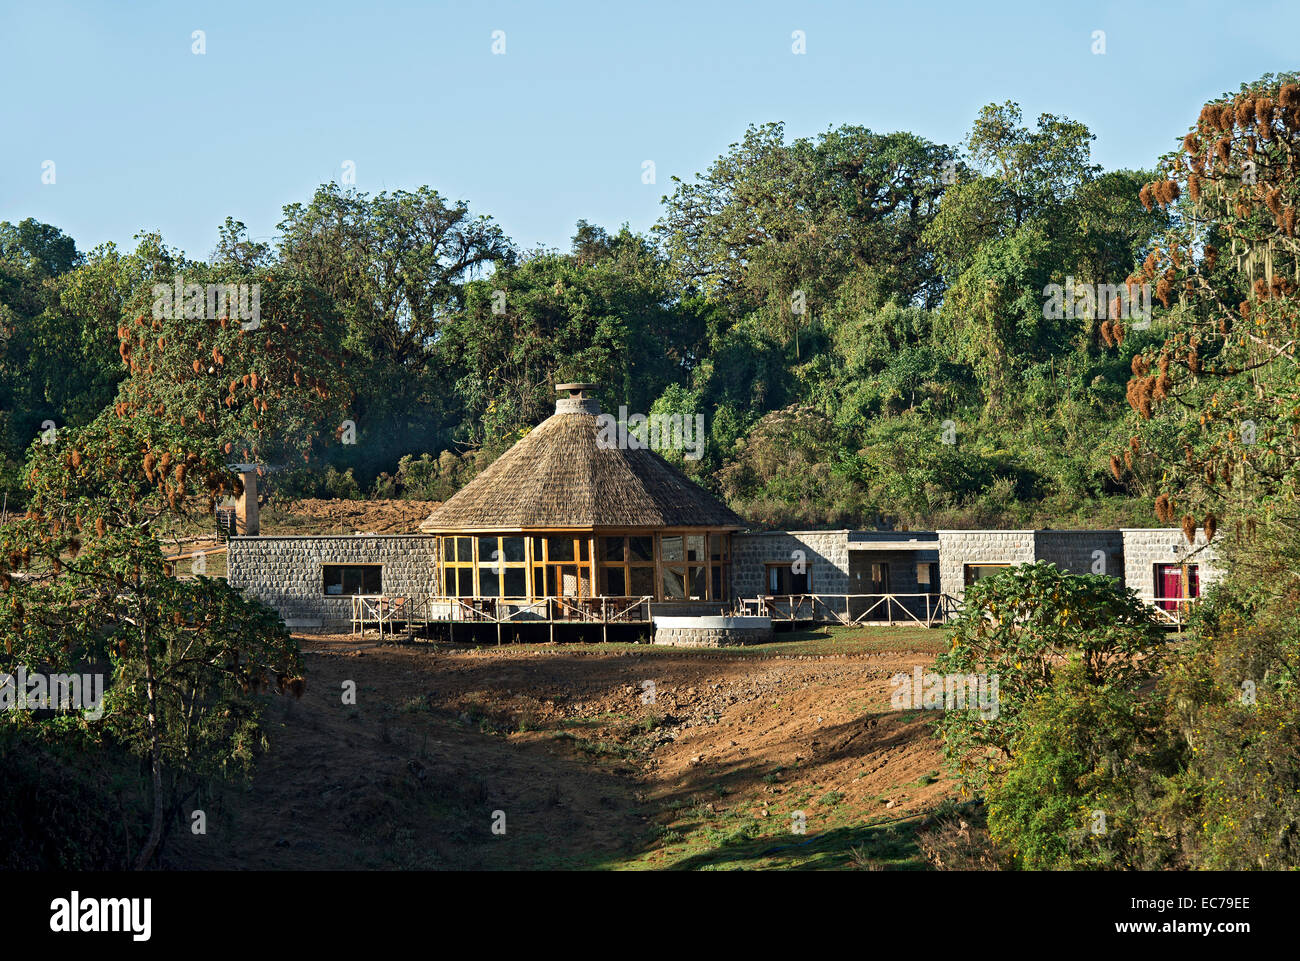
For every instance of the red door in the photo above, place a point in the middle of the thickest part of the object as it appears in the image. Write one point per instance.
(1169, 586)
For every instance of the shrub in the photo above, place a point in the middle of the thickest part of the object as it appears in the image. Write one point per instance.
(1020, 625)
(1086, 780)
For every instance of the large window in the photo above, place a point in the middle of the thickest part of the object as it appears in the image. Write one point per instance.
(782, 579)
(346, 579)
(562, 566)
(458, 566)
(502, 567)
(626, 565)
(685, 566)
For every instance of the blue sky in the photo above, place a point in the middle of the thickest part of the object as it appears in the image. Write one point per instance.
(145, 134)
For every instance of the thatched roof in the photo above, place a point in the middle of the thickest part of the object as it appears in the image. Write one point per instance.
(558, 476)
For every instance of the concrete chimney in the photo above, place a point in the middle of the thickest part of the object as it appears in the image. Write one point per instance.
(246, 514)
(579, 400)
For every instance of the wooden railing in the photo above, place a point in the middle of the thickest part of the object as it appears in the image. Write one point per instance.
(888, 608)
(386, 611)
(1182, 606)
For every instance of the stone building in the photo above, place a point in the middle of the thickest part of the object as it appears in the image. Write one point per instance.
(569, 527)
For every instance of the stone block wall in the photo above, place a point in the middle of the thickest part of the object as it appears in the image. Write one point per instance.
(959, 548)
(1144, 548)
(825, 552)
(711, 636)
(1077, 551)
(285, 572)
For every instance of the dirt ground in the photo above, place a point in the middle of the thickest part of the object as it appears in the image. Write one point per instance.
(334, 516)
(582, 762)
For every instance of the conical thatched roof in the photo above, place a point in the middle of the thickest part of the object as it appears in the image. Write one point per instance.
(558, 476)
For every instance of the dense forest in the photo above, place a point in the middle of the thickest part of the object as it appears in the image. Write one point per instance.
(877, 329)
(837, 307)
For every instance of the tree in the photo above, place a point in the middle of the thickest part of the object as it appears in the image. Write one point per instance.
(395, 265)
(1019, 625)
(769, 219)
(83, 576)
(1219, 394)
(83, 580)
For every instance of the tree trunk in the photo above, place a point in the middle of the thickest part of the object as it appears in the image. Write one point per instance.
(155, 758)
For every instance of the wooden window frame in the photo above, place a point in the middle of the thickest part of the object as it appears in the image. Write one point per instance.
(807, 574)
(966, 571)
(326, 565)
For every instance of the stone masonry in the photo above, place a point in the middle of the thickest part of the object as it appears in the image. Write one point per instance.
(959, 548)
(826, 554)
(711, 636)
(1144, 548)
(285, 572)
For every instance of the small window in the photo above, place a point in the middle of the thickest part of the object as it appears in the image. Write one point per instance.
(346, 579)
(977, 572)
(782, 579)
(923, 575)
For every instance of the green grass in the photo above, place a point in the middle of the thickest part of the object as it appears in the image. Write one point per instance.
(820, 641)
(835, 839)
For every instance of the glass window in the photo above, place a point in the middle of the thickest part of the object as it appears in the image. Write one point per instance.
(642, 581)
(719, 578)
(671, 545)
(613, 583)
(516, 582)
(641, 548)
(465, 580)
(697, 582)
(695, 547)
(342, 579)
(674, 584)
(489, 581)
(488, 550)
(449, 548)
(977, 572)
(559, 548)
(464, 549)
(611, 548)
(513, 550)
(717, 550)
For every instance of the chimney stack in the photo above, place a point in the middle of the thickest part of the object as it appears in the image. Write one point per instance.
(579, 400)
(246, 515)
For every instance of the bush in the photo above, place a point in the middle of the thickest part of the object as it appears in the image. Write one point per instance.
(1086, 780)
(1020, 625)
(1234, 699)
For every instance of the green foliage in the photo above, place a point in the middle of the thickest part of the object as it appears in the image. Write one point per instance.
(1020, 625)
(1089, 764)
